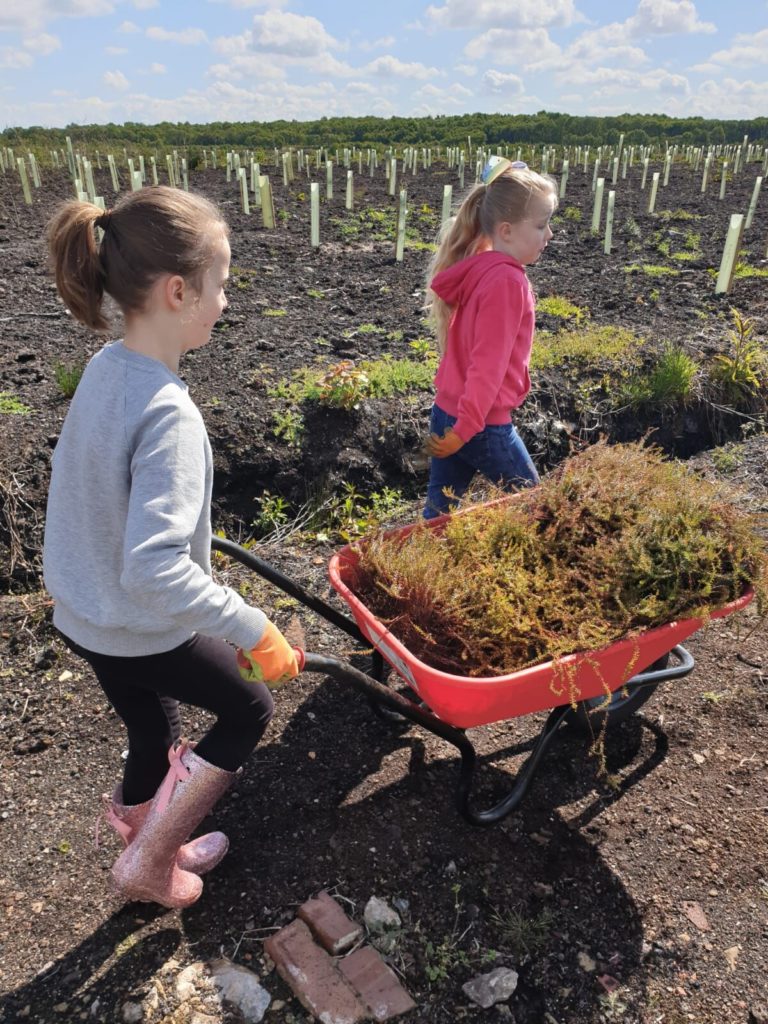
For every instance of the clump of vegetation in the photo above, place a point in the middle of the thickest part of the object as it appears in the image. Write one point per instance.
(616, 540)
(591, 345)
(345, 384)
(747, 270)
(67, 377)
(558, 305)
(669, 380)
(11, 405)
(651, 269)
(741, 372)
(667, 215)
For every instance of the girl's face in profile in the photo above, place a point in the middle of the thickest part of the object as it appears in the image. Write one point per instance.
(526, 240)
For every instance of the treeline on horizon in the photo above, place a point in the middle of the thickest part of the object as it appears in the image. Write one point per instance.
(445, 130)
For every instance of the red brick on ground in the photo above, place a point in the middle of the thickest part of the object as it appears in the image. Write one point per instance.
(329, 924)
(375, 983)
(311, 974)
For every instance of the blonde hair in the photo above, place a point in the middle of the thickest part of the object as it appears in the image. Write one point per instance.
(505, 199)
(153, 231)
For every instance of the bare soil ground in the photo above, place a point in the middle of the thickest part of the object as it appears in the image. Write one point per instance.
(660, 884)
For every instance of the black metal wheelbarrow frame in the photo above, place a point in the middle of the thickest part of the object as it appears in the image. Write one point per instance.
(394, 705)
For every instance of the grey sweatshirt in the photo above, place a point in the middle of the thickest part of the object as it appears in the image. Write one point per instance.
(128, 528)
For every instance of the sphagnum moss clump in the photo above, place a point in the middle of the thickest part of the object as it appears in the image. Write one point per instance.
(617, 540)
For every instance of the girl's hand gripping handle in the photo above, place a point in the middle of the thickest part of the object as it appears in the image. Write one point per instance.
(272, 661)
(442, 447)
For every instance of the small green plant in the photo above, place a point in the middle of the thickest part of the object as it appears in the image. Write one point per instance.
(741, 371)
(10, 405)
(424, 348)
(632, 228)
(572, 213)
(745, 270)
(274, 312)
(712, 697)
(67, 377)
(288, 424)
(343, 386)
(651, 269)
(273, 513)
(351, 515)
(726, 459)
(667, 215)
(557, 305)
(524, 936)
(669, 380)
(315, 293)
(442, 959)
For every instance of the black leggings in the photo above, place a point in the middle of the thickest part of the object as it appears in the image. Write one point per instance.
(144, 691)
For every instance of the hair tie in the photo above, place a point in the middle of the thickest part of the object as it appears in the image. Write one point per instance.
(102, 221)
(497, 165)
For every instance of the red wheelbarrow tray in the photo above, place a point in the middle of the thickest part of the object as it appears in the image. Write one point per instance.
(467, 701)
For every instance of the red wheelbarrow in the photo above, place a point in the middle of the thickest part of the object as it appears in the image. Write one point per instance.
(446, 705)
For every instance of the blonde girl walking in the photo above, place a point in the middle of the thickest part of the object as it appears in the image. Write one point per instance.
(482, 308)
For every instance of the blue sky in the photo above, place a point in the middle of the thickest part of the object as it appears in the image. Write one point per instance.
(92, 61)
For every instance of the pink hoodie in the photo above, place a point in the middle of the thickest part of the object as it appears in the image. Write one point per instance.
(484, 371)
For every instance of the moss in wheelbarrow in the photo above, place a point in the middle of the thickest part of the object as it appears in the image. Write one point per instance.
(617, 540)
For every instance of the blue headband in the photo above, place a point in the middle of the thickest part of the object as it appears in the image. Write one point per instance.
(497, 165)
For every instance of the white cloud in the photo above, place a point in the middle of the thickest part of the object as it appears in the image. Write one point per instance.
(157, 69)
(453, 93)
(470, 70)
(497, 13)
(383, 43)
(707, 68)
(666, 17)
(144, 5)
(116, 80)
(500, 82)
(185, 36)
(520, 47)
(35, 14)
(128, 28)
(293, 35)
(744, 50)
(43, 45)
(12, 59)
(115, 51)
(253, 66)
(240, 4)
(392, 67)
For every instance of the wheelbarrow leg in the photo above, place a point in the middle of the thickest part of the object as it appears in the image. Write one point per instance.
(522, 781)
(421, 715)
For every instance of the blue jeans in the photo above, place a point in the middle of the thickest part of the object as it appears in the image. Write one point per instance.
(497, 452)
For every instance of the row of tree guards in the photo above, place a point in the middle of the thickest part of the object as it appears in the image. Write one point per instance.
(607, 163)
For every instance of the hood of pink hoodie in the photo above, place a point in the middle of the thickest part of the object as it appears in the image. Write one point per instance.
(455, 284)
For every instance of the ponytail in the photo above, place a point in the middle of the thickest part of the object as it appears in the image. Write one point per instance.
(76, 262)
(459, 238)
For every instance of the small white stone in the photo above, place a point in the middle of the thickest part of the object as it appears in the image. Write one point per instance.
(132, 1013)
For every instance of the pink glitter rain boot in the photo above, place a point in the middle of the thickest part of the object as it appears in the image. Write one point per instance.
(147, 869)
(199, 855)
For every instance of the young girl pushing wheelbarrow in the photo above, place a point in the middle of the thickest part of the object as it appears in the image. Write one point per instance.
(128, 532)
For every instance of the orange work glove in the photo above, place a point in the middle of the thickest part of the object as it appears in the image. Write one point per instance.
(271, 661)
(442, 447)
